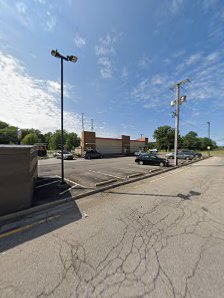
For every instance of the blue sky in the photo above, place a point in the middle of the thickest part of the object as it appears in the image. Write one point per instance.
(129, 55)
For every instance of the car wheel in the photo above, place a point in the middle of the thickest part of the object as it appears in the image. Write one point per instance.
(162, 164)
(141, 162)
(88, 157)
(101, 156)
(187, 158)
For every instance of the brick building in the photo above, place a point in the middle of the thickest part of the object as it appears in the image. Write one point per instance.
(123, 145)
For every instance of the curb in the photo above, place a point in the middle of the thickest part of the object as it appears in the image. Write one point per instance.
(22, 213)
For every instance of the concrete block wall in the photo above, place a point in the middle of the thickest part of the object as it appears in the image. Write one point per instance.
(17, 177)
(109, 145)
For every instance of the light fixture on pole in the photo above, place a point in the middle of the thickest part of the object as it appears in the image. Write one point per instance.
(177, 102)
(73, 59)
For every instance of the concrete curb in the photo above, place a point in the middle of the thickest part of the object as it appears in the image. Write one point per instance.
(22, 213)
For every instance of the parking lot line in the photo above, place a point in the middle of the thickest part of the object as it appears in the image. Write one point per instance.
(73, 182)
(74, 186)
(136, 171)
(43, 185)
(107, 174)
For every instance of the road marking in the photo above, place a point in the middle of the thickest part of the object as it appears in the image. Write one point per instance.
(107, 174)
(27, 227)
(136, 171)
(165, 176)
(47, 184)
(74, 186)
(71, 181)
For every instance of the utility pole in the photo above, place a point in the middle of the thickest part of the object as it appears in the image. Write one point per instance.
(82, 121)
(141, 134)
(177, 102)
(91, 124)
(209, 129)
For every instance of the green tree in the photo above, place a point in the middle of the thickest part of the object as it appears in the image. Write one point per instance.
(8, 135)
(26, 131)
(55, 140)
(206, 142)
(191, 140)
(47, 137)
(30, 139)
(164, 136)
(3, 124)
(72, 141)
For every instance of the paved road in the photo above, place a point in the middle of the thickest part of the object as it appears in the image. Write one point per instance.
(159, 237)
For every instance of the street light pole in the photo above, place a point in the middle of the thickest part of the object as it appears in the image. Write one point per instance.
(176, 124)
(208, 129)
(177, 102)
(62, 125)
(73, 59)
(91, 124)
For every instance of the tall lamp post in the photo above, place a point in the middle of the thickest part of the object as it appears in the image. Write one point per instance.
(73, 59)
(177, 102)
(209, 123)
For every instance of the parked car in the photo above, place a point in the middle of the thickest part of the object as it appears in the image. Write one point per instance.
(66, 155)
(89, 154)
(137, 153)
(151, 159)
(153, 150)
(180, 155)
(190, 152)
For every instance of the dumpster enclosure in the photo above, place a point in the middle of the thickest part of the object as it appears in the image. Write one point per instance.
(18, 174)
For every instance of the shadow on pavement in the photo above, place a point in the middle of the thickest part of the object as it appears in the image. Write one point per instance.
(181, 196)
(49, 189)
(35, 225)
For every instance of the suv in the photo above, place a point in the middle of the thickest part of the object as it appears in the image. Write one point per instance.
(89, 154)
(190, 152)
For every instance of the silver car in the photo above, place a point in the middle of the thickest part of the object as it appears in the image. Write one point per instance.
(66, 154)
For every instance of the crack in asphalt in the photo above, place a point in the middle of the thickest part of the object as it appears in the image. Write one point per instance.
(133, 266)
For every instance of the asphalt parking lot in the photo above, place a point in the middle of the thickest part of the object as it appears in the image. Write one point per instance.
(83, 175)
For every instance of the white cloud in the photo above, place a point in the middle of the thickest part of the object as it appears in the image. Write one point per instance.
(106, 51)
(158, 80)
(124, 73)
(106, 67)
(213, 56)
(193, 59)
(50, 23)
(144, 62)
(176, 5)
(29, 102)
(22, 14)
(207, 4)
(79, 41)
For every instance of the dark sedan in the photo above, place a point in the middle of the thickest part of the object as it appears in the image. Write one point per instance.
(89, 154)
(152, 159)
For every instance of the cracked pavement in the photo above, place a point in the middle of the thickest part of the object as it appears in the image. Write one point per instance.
(161, 237)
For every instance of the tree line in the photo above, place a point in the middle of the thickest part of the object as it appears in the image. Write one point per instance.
(31, 136)
(164, 136)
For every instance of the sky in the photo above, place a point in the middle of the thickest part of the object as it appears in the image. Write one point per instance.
(130, 54)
